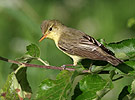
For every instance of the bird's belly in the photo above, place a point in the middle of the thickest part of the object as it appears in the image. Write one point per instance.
(74, 57)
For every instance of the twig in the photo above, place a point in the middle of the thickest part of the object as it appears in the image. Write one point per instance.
(40, 66)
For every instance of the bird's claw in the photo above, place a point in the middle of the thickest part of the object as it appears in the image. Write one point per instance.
(64, 67)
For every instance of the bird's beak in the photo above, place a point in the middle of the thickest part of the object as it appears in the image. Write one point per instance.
(43, 37)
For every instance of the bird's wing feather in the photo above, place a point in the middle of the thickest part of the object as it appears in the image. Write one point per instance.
(94, 41)
(84, 46)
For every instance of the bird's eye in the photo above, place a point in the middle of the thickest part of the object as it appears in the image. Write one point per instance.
(50, 29)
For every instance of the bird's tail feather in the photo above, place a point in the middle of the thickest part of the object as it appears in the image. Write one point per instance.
(113, 60)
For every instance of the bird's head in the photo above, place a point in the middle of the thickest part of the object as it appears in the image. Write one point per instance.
(50, 29)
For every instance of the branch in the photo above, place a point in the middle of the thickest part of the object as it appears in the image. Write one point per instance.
(40, 66)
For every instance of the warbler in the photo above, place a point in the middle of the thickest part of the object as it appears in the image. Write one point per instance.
(75, 43)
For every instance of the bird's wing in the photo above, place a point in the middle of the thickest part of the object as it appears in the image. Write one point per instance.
(94, 41)
(84, 46)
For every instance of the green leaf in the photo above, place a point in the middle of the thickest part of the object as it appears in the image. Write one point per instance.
(12, 89)
(128, 92)
(90, 84)
(21, 76)
(124, 49)
(127, 67)
(131, 96)
(33, 50)
(23, 59)
(102, 41)
(133, 87)
(131, 22)
(129, 88)
(97, 69)
(59, 89)
(9, 90)
(17, 81)
(131, 63)
(18, 78)
(77, 92)
(123, 93)
(112, 74)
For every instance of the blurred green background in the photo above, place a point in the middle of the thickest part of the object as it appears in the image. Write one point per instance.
(20, 26)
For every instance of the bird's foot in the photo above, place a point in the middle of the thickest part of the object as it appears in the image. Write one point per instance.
(64, 66)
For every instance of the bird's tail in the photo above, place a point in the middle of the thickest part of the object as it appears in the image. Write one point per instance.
(113, 60)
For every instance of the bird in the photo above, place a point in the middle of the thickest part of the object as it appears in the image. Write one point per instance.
(76, 44)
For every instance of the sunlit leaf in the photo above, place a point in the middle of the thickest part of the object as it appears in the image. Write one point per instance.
(18, 83)
(33, 50)
(90, 84)
(131, 22)
(133, 87)
(59, 89)
(9, 91)
(124, 49)
(12, 89)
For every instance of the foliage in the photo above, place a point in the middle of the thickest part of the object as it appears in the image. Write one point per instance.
(20, 22)
(74, 85)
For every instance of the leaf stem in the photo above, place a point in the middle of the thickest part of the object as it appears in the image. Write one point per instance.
(45, 63)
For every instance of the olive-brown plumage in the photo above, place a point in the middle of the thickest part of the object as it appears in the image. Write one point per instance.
(76, 44)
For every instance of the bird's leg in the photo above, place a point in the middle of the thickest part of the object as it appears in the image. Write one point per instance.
(75, 61)
(64, 66)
